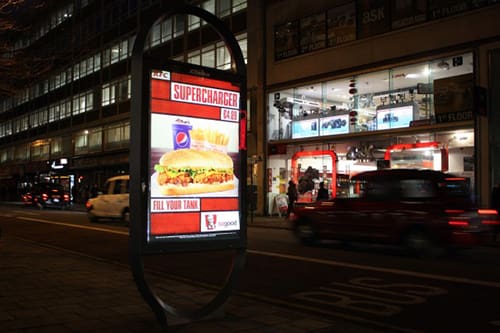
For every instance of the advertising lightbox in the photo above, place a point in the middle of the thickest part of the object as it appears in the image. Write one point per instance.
(194, 158)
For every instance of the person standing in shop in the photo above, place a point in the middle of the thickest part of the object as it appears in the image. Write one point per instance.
(322, 192)
(292, 196)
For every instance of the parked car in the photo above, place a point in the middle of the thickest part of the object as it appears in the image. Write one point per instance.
(418, 209)
(112, 202)
(44, 195)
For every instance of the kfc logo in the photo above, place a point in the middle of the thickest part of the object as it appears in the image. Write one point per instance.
(219, 221)
(210, 221)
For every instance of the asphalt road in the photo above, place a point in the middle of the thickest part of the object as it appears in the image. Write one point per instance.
(366, 284)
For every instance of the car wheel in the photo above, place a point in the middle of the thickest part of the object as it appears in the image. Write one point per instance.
(306, 233)
(126, 216)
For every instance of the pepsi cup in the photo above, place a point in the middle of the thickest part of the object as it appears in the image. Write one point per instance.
(181, 137)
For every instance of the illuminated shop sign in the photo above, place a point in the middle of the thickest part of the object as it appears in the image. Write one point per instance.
(194, 158)
(58, 164)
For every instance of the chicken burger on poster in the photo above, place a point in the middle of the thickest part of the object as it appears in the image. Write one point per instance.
(192, 171)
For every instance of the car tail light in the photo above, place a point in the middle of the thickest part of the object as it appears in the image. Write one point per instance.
(88, 205)
(454, 211)
(491, 217)
(487, 212)
(45, 197)
(457, 223)
(66, 197)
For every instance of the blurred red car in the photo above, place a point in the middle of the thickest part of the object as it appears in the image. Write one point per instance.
(419, 209)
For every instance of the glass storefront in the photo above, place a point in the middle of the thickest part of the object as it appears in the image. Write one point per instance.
(412, 116)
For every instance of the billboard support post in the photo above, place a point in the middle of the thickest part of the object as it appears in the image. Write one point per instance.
(184, 113)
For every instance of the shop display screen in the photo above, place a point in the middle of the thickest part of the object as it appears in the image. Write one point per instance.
(396, 117)
(334, 125)
(305, 128)
(194, 159)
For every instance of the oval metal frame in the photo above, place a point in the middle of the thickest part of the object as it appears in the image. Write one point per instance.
(138, 184)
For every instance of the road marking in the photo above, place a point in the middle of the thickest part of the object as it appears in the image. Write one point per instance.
(380, 269)
(306, 259)
(25, 212)
(74, 225)
(334, 314)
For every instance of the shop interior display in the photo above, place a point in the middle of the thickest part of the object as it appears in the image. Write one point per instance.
(382, 119)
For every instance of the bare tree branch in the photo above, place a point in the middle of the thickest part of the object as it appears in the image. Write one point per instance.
(17, 66)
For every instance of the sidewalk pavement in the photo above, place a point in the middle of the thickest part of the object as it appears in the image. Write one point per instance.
(48, 289)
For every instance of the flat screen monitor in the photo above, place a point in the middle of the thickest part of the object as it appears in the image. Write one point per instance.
(396, 115)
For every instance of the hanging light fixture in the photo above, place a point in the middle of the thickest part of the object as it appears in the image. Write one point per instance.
(443, 65)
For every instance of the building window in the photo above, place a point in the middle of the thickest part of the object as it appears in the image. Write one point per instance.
(178, 26)
(166, 30)
(95, 139)
(40, 150)
(239, 5)
(59, 110)
(194, 57)
(7, 155)
(56, 146)
(117, 52)
(38, 118)
(398, 97)
(22, 152)
(242, 42)
(6, 128)
(81, 142)
(116, 91)
(224, 8)
(108, 94)
(83, 102)
(208, 56)
(223, 56)
(155, 34)
(54, 113)
(193, 22)
(117, 136)
(65, 108)
(21, 124)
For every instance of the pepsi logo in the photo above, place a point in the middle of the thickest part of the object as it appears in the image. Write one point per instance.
(181, 139)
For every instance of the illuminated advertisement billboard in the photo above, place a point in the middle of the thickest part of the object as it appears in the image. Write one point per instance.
(194, 158)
